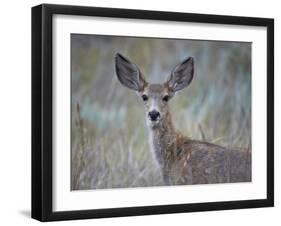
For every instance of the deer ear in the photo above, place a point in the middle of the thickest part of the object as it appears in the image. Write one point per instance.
(182, 75)
(128, 73)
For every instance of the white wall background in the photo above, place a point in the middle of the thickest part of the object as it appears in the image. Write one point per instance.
(15, 119)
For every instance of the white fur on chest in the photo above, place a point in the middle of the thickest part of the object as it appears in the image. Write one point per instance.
(155, 147)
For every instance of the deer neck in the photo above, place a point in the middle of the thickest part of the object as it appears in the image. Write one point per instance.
(163, 139)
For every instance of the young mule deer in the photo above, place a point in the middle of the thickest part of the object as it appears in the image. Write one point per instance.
(181, 160)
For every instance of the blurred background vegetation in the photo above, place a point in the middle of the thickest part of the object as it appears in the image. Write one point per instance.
(109, 136)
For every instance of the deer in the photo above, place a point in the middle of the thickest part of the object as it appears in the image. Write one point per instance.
(180, 160)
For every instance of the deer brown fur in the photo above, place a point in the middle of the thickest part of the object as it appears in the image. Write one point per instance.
(181, 160)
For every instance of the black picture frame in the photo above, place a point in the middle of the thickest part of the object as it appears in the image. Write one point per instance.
(42, 108)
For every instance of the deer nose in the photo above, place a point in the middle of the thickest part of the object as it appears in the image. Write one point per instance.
(153, 115)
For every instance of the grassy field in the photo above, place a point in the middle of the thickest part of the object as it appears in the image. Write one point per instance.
(109, 136)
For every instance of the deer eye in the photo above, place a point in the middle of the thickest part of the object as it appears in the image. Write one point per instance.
(144, 97)
(166, 98)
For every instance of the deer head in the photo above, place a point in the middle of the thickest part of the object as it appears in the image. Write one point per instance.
(154, 96)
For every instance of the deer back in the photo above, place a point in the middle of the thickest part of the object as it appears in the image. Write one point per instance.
(204, 163)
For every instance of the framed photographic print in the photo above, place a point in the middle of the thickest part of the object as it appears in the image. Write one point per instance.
(146, 112)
